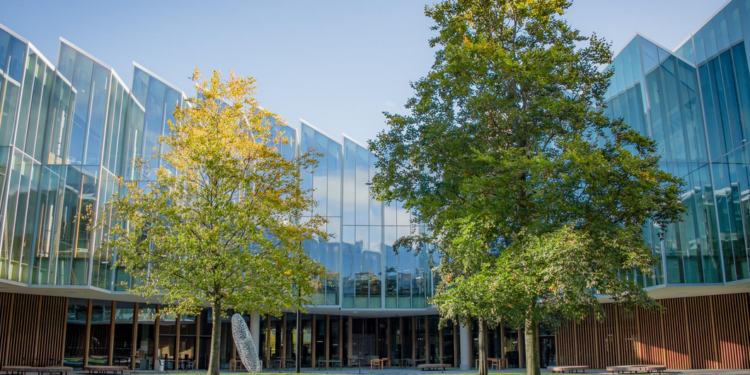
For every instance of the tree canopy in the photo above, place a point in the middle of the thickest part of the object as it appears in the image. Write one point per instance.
(535, 198)
(219, 222)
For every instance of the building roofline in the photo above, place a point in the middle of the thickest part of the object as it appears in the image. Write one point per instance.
(705, 22)
(40, 54)
(344, 135)
(164, 81)
(82, 51)
(11, 32)
(303, 121)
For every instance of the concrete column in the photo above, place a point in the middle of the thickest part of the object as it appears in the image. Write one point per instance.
(255, 329)
(465, 350)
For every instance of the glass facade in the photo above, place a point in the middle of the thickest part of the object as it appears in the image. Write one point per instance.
(695, 102)
(67, 132)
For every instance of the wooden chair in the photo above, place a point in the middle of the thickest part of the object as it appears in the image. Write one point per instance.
(384, 362)
(235, 364)
(375, 363)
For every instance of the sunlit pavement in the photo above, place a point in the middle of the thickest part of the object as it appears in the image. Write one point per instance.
(413, 371)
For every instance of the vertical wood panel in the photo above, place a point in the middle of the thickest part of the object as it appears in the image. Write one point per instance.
(6, 306)
(22, 330)
(136, 310)
(732, 330)
(314, 343)
(675, 334)
(87, 339)
(608, 356)
(585, 336)
(700, 332)
(628, 336)
(650, 343)
(52, 330)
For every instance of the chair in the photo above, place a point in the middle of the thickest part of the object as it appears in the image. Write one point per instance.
(375, 362)
(494, 363)
(163, 365)
(384, 362)
(235, 364)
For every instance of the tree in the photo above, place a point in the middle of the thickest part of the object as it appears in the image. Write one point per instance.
(533, 196)
(223, 229)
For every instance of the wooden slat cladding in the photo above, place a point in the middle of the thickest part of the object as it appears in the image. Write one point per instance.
(710, 332)
(6, 308)
(675, 334)
(732, 327)
(586, 341)
(700, 332)
(52, 329)
(651, 343)
(565, 351)
(23, 331)
(608, 352)
(628, 326)
(31, 329)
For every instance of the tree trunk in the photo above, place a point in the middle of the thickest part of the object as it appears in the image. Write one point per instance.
(482, 366)
(532, 347)
(213, 361)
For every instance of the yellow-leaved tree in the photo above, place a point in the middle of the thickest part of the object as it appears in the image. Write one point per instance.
(222, 224)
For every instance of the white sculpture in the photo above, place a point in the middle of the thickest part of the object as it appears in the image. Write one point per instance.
(245, 346)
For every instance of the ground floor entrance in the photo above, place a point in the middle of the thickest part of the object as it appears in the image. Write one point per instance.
(691, 333)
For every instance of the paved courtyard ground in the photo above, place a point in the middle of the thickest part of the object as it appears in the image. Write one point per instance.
(395, 371)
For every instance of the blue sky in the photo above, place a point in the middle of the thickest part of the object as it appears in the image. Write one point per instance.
(336, 64)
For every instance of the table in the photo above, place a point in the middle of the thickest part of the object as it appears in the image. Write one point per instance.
(330, 362)
(186, 364)
(406, 362)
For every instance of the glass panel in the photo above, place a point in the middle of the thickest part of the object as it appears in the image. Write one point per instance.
(349, 188)
(123, 339)
(334, 178)
(43, 113)
(362, 190)
(732, 14)
(722, 34)
(140, 85)
(99, 96)
(154, 118)
(82, 83)
(101, 316)
(10, 98)
(700, 49)
(75, 333)
(16, 59)
(4, 41)
(37, 94)
(23, 116)
(709, 39)
(320, 175)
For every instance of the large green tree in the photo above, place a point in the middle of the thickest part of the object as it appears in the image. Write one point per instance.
(219, 224)
(535, 198)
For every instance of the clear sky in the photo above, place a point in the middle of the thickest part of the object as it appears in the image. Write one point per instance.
(336, 64)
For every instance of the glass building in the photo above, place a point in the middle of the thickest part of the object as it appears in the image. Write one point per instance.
(67, 130)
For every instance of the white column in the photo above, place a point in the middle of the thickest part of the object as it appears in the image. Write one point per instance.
(465, 355)
(255, 330)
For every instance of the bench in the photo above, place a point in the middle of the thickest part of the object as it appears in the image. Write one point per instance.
(555, 369)
(114, 370)
(634, 369)
(41, 370)
(433, 366)
(656, 368)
